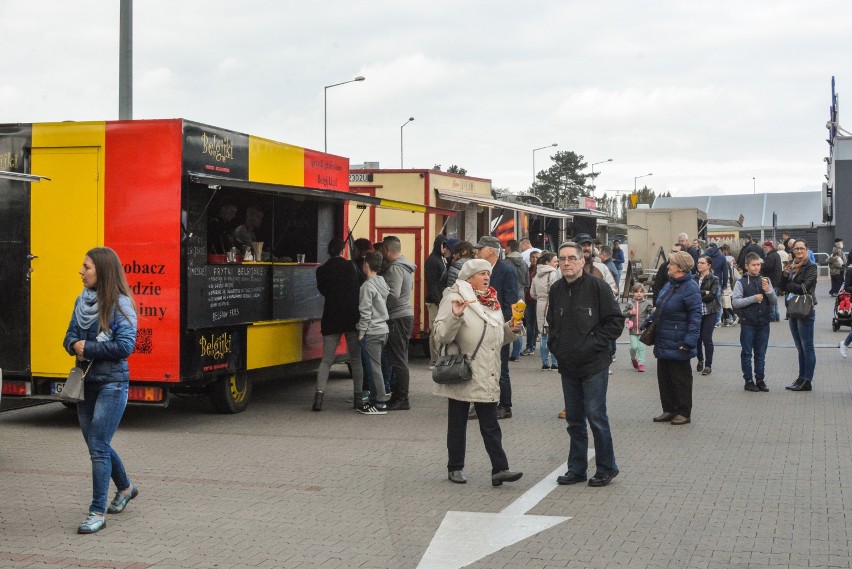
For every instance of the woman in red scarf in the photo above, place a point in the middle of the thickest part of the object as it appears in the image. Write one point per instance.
(470, 321)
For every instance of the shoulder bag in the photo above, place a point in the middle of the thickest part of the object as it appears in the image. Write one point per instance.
(801, 306)
(455, 368)
(649, 334)
(72, 391)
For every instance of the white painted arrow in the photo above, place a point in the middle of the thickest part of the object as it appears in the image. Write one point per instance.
(466, 537)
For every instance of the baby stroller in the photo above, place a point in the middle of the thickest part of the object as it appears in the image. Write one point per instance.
(842, 311)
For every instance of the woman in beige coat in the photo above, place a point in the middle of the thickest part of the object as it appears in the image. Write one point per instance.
(546, 274)
(469, 307)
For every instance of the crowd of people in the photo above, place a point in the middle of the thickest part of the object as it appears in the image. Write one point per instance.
(572, 316)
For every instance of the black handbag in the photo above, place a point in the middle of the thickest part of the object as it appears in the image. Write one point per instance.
(648, 334)
(801, 306)
(455, 368)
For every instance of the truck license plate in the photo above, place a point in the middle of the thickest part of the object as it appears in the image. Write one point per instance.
(56, 387)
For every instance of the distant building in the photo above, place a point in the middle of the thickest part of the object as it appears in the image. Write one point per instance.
(797, 213)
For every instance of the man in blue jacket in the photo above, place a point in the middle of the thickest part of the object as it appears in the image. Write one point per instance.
(504, 279)
(720, 268)
(583, 320)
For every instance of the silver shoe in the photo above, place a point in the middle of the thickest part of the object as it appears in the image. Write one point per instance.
(457, 476)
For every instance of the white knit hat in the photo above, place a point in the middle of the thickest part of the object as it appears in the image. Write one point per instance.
(473, 266)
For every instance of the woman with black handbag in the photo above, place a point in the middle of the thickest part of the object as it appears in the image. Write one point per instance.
(798, 282)
(470, 317)
(102, 334)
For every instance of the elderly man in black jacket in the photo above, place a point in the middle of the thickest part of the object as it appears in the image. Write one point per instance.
(435, 271)
(583, 320)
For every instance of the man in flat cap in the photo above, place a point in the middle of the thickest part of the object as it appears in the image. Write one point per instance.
(505, 282)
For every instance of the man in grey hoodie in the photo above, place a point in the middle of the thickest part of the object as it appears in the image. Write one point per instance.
(399, 275)
(373, 328)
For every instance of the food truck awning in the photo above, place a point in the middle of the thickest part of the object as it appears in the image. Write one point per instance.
(18, 177)
(465, 197)
(216, 182)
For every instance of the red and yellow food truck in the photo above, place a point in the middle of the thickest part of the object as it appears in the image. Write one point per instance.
(153, 190)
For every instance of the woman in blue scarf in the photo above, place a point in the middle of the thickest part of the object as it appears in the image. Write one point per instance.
(102, 334)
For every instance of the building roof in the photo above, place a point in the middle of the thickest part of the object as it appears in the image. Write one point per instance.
(794, 209)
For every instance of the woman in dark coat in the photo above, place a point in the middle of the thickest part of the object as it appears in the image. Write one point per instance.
(799, 279)
(337, 281)
(678, 320)
(708, 285)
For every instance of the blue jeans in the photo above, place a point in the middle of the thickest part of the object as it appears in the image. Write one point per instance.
(547, 357)
(802, 330)
(705, 339)
(774, 315)
(585, 400)
(530, 321)
(753, 341)
(517, 345)
(99, 416)
(505, 381)
(848, 340)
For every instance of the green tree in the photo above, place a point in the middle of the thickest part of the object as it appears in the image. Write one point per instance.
(454, 169)
(564, 183)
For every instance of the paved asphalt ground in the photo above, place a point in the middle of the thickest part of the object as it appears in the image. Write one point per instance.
(757, 480)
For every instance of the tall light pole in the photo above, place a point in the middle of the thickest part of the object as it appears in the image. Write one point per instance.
(537, 149)
(592, 166)
(637, 177)
(753, 185)
(410, 119)
(325, 109)
(125, 61)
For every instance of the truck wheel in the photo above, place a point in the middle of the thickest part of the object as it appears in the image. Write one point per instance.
(231, 393)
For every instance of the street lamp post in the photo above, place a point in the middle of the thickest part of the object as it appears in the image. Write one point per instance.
(325, 108)
(410, 119)
(592, 166)
(534, 151)
(637, 177)
(753, 185)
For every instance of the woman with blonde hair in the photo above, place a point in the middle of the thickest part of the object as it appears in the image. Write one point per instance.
(470, 318)
(102, 334)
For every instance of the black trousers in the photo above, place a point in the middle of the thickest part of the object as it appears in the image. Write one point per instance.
(492, 436)
(675, 380)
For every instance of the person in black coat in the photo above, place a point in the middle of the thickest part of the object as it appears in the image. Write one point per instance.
(749, 247)
(662, 276)
(435, 272)
(799, 280)
(337, 281)
(771, 269)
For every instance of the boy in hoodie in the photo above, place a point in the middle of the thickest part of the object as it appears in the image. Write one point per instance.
(373, 329)
(399, 274)
(753, 296)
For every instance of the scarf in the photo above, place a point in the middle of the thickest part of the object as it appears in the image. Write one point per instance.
(796, 264)
(488, 298)
(86, 310)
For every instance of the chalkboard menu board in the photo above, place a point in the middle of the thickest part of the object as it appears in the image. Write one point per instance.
(294, 292)
(233, 294)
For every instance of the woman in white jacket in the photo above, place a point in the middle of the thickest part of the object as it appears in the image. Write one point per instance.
(468, 309)
(546, 274)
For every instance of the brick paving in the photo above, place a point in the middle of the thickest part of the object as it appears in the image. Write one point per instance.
(757, 480)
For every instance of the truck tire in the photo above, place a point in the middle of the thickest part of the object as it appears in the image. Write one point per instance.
(230, 393)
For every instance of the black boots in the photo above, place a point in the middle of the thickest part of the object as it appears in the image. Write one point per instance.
(800, 385)
(318, 401)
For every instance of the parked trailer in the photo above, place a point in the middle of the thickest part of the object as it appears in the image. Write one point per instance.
(148, 189)
(650, 231)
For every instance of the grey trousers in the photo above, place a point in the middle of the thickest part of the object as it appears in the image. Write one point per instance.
(329, 347)
(397, 352)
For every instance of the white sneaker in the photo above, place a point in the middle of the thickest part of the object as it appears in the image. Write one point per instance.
(843, 350)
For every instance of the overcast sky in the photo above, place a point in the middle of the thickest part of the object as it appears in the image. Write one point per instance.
(706, 95)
